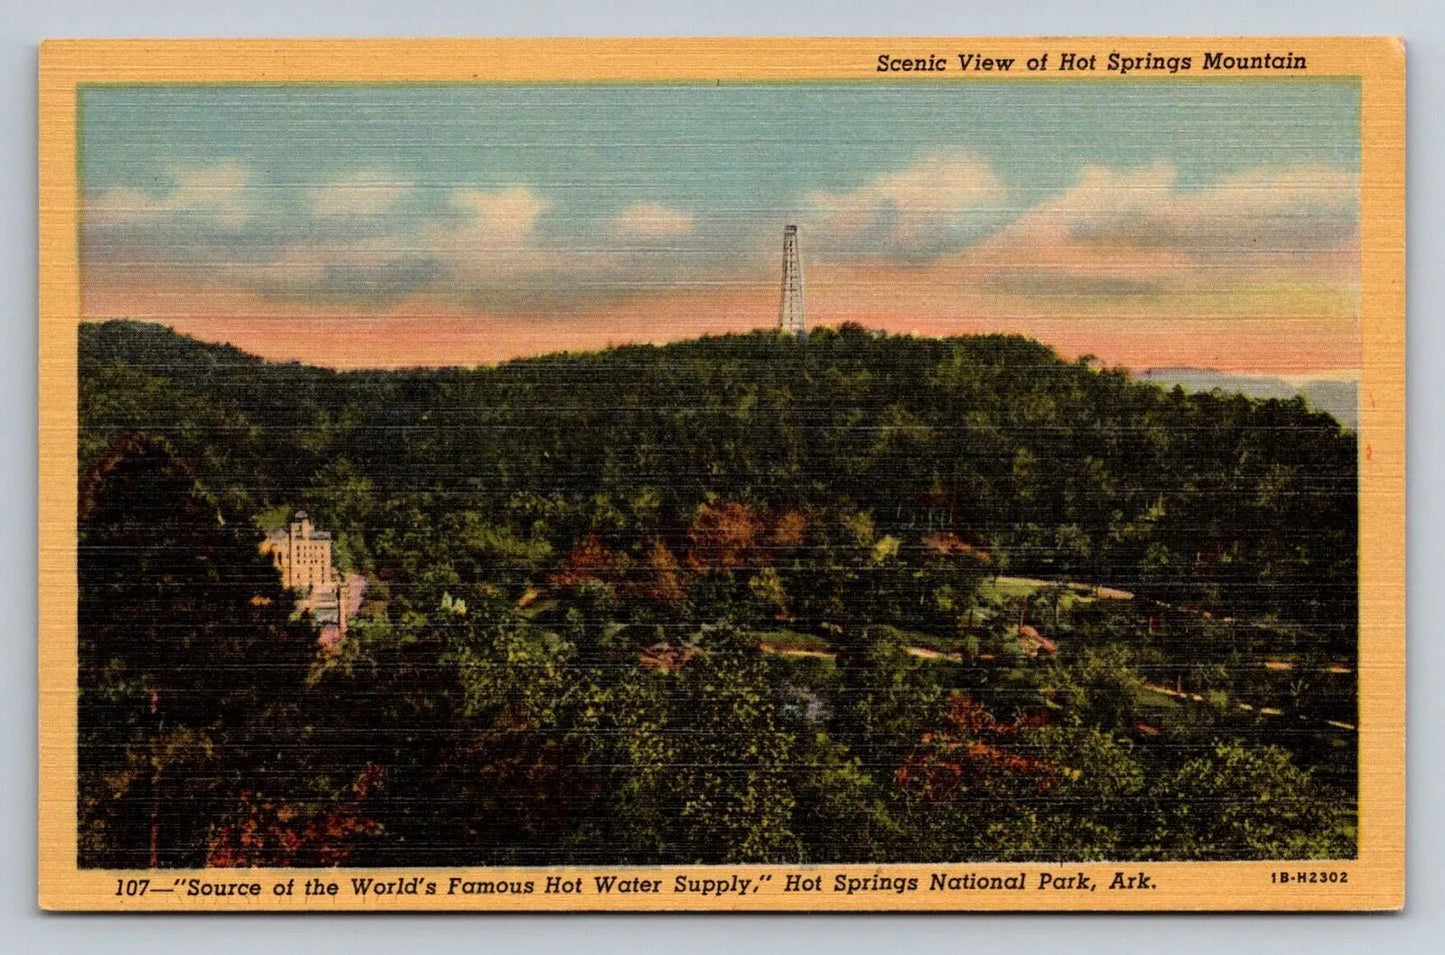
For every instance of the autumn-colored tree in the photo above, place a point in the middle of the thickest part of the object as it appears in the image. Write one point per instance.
(789, 530)
(982, 788)
(971, 751)
(271, 833)
(590, 562)
(724, 535)
(661, 576)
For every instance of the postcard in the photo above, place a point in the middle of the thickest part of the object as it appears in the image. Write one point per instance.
(912, 474)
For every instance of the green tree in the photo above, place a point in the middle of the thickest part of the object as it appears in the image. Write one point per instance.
(712, 775)
(1099, 688)
(886, 699)
(979, 788)
(189, 662)
(1235, 802)
(842, 812)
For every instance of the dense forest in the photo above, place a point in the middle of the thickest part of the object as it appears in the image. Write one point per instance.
(858, 597)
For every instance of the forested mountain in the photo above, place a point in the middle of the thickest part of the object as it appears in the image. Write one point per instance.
(747, 596)
(1065, 469)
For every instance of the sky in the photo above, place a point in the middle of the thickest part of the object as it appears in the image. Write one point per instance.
(1151, 224)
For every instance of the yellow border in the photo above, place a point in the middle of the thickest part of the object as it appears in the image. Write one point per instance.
(1376, 877)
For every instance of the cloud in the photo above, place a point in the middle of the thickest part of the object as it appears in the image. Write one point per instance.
(1134, 241)
(497, 219)
(934, 206)
(1269, 208)
(1137, 231)
(373, 269)
(652, 220)
(1072, 284)
(490, 250)
(366, 193)
(214, 195)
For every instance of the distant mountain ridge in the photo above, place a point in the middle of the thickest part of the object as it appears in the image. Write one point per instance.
(1332, 396)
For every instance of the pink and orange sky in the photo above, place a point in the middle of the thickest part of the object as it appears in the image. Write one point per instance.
(1151, 226)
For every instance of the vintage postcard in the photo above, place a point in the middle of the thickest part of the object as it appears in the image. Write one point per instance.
(839, 474)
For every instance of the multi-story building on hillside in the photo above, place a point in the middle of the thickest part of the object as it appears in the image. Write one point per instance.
(302, 554)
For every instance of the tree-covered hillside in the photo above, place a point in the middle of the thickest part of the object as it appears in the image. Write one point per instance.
(1060, 468)
(735, 598)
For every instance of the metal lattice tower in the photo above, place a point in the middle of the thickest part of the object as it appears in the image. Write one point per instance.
(792, 313)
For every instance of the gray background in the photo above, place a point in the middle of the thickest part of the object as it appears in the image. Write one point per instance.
(23, 23)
